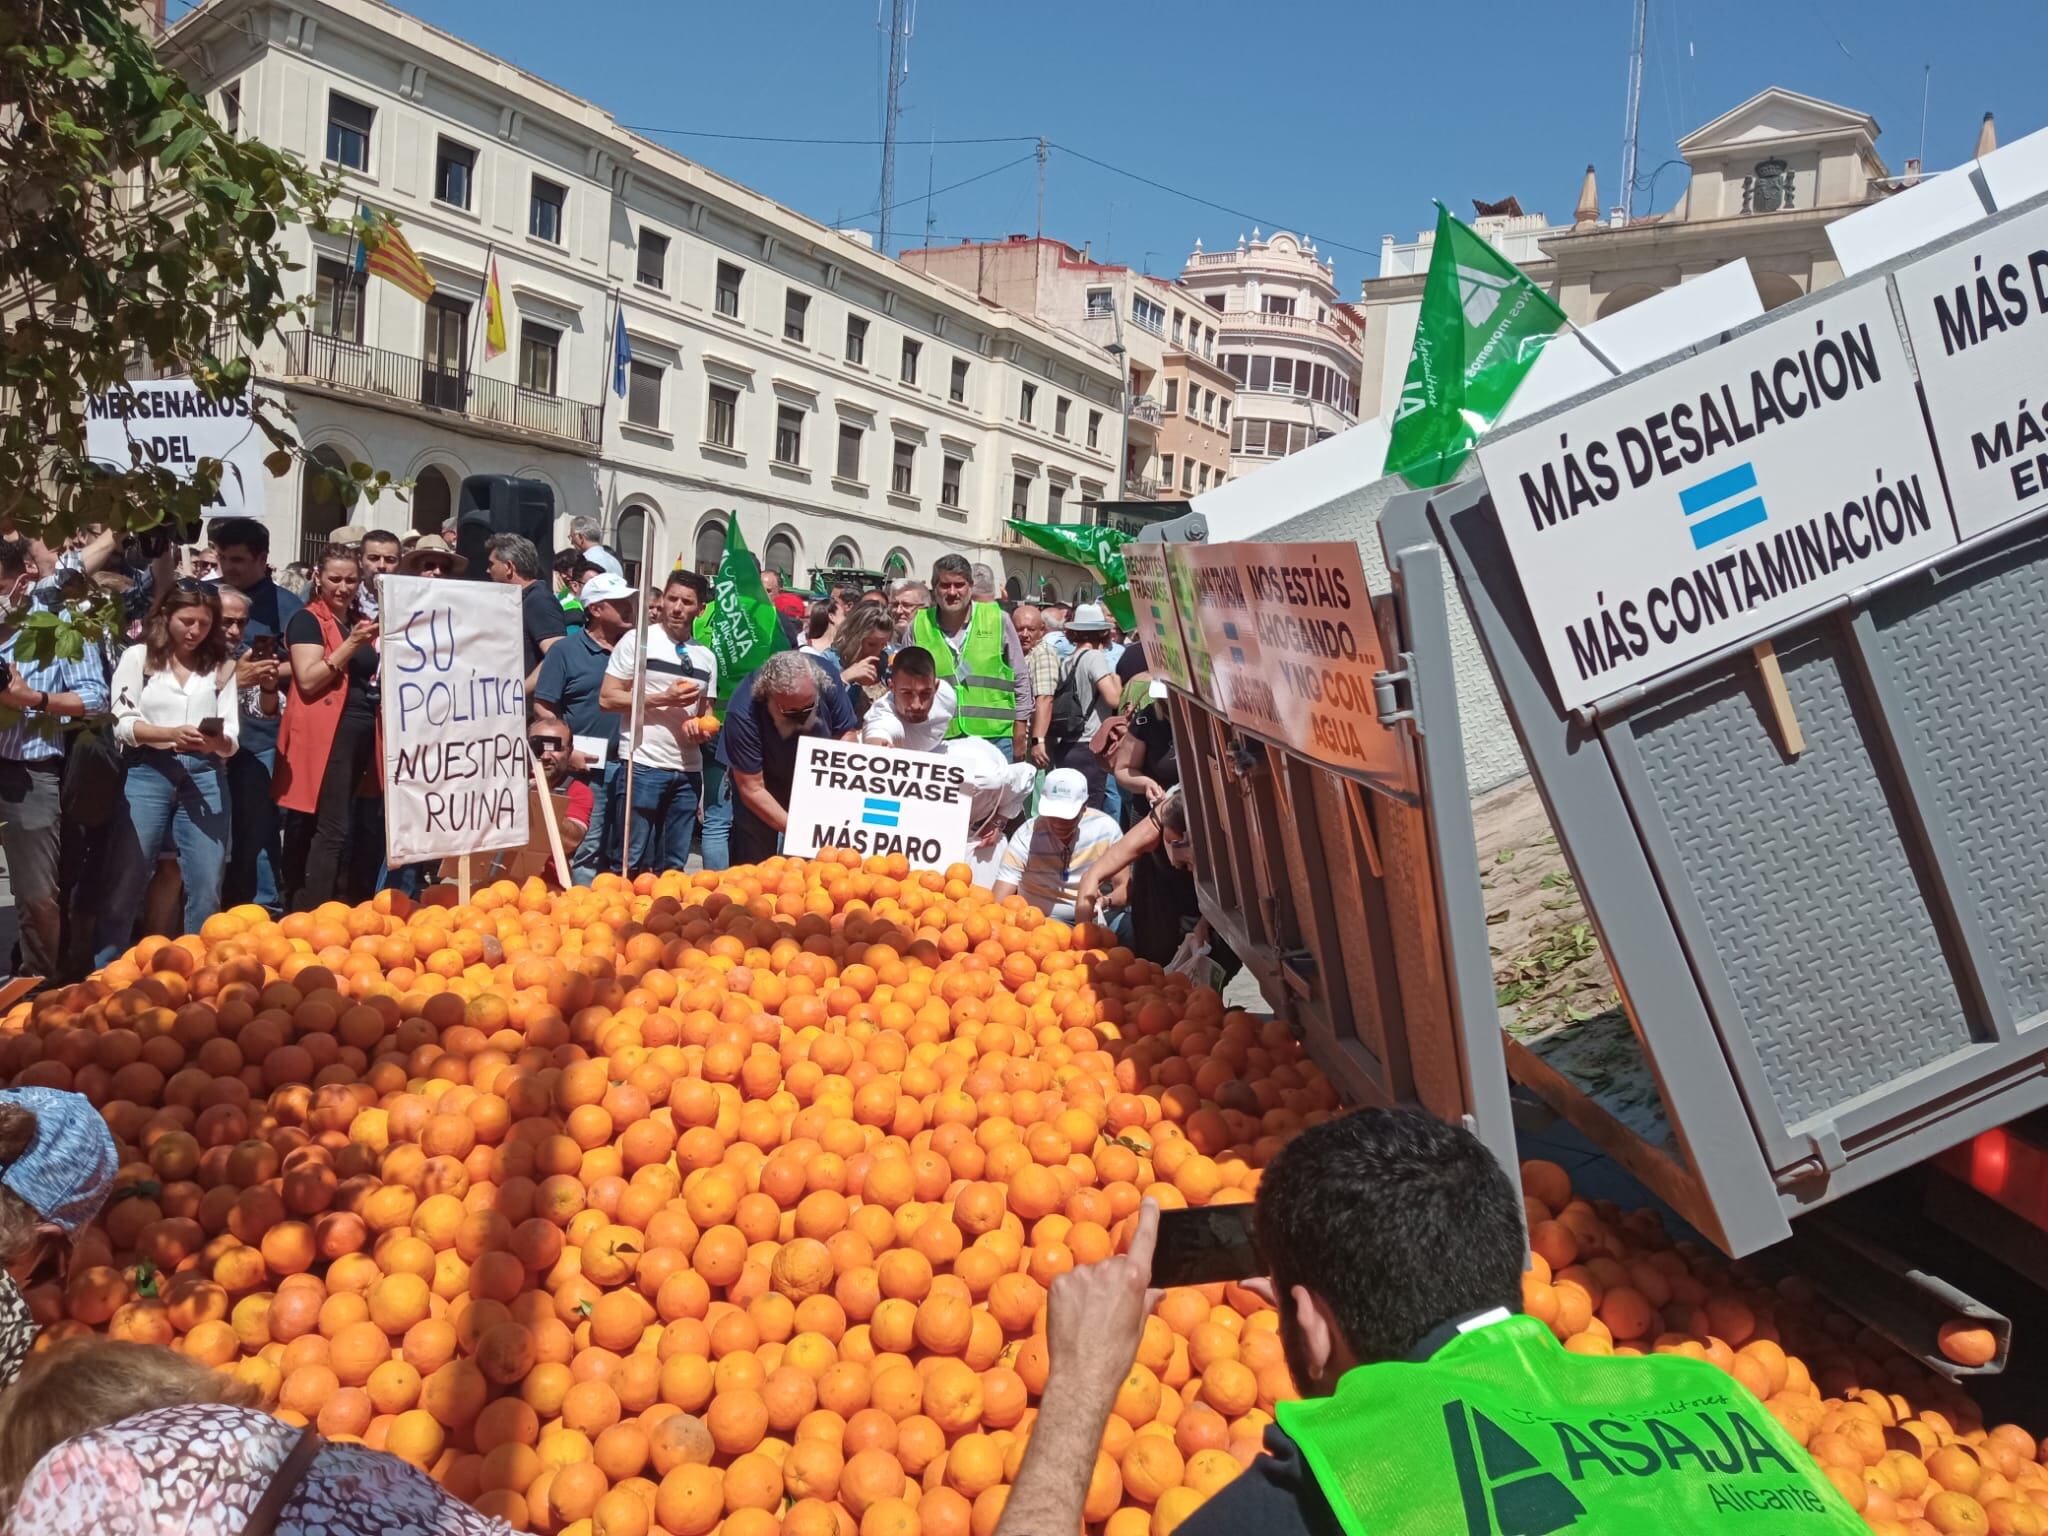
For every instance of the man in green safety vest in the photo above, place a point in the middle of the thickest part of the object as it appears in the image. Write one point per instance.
(976, 650)
(1428, 1407)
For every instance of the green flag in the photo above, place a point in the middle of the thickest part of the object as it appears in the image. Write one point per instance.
(1099, 549)
(1482, 326)
(740, 626)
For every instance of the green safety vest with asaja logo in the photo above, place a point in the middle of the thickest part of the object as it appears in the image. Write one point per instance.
(1502, 1432)
(984, 689)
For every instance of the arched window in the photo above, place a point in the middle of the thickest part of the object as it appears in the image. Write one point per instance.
(323, 505)
(844, 554)
(897, 564)
(1048, 591)
(432, 503)
(1013, 589)
(629, 537)
(779, 554)
(711, 545)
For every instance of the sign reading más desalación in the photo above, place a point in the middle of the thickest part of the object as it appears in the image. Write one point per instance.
(1978, 315)
(169, 424)
(877, 800)
(1712, 500)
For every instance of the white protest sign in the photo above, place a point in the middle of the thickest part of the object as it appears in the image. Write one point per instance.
(877, 800)
(170, 424)
(454, 695)
(1978, 315)
(1714, 499)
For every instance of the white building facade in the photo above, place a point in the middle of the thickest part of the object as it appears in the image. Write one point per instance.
(1287, 343)
(850, 411)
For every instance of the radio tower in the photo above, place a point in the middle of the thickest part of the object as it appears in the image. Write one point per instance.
(902, 17)
(1630, 132)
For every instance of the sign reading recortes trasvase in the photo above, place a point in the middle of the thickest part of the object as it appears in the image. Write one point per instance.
(877, 800)
(1978, 315)
(1716, 498)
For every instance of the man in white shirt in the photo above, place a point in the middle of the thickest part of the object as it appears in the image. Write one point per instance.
(1047, 856)
(1001, 790)
(586, 536)
(680, 681)
(917, 702)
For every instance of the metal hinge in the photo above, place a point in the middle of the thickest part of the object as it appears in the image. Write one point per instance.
(1824, 1156)
(1394, 693)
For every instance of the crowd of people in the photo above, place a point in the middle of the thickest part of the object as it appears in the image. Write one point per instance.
(217, 742)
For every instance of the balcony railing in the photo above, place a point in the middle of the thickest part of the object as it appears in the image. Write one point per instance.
(1261, 320)
(1145, 409)
(1139, 488)
(350, 365)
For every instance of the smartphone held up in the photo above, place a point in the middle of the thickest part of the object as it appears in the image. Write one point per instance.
(1206, 1245)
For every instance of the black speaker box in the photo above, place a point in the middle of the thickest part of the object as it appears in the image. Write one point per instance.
(493, 504)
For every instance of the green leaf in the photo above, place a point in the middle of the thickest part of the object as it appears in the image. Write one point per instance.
(182, 146)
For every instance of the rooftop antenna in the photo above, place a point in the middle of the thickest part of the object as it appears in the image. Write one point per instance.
(1040, 232)
(1926, 85)
(902, 17)
(1632, 131)
(930, 154)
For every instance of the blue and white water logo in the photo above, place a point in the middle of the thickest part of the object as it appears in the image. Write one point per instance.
(878, 812)
(1724, 505)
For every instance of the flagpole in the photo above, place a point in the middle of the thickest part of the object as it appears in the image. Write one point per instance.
(483, 305)
(348, 276)
(611, 363)
(635, 719)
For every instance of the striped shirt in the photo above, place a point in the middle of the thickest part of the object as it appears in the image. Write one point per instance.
(1049, 876)
(34, 736)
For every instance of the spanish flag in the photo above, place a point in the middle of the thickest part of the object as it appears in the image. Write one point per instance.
(494, 314)
(390, 256)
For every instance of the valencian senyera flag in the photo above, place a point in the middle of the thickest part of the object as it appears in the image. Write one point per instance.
(1099, 549)
(1482, 326)
(494, 314)
(388, 254)
(740, 626)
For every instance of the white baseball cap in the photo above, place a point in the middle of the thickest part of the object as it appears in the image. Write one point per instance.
(604, 587)
(1063, 795)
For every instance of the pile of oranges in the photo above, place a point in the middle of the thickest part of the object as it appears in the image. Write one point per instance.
(729, 1202)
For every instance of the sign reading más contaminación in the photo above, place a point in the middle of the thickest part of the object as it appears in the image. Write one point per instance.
(1978, 315)
(1712, 500)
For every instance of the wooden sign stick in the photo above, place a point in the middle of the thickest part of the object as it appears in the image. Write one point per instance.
(547, 812)
(1790, 736)
(462, 880)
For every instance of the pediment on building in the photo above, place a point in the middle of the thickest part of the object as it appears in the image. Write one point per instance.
(1778, 116)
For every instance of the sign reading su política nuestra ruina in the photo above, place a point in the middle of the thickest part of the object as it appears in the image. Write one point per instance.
(1711, 500)
(1977, 312)
(453, 677)
(877, 801)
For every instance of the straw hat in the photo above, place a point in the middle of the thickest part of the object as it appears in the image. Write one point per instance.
(432, 549)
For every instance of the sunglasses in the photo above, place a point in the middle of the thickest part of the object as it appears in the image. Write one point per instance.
(546, 744)
(797, 716)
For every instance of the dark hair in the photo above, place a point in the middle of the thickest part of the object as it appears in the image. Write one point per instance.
(1172, 813)
(380, 536)
(18, 1219)
(241, 533)
(818, 620)
(696, 581)
(517, 551)
(14, 555)
(846, 592)
(951, 565)
(566, 561)
(913, 661)
(334, 552)
(1399, 1222)
(156, 631)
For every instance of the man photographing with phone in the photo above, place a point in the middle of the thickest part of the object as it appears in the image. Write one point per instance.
(1393, 1248)
(680, 681)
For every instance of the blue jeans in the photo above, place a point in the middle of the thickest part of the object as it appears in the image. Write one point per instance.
(664, 817)
(599, 850)
(1112, 798)
(717, 814)
(185, 795)
(257, 847)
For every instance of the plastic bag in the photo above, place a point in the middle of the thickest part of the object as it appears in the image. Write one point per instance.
(1192, 961)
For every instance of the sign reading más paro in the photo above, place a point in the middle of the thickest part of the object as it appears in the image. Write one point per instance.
(877, 800)
(1714, 499)
(1978, 315)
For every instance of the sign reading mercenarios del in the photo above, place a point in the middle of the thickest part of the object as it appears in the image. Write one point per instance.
(169, 424)
(1711, 500)
(454, 712)
(877, 800)
(1978, 315)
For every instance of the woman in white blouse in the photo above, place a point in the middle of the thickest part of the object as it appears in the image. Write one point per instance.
(174, 704)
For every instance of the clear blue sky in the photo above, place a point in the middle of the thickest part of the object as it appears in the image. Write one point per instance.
(1332, 116)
